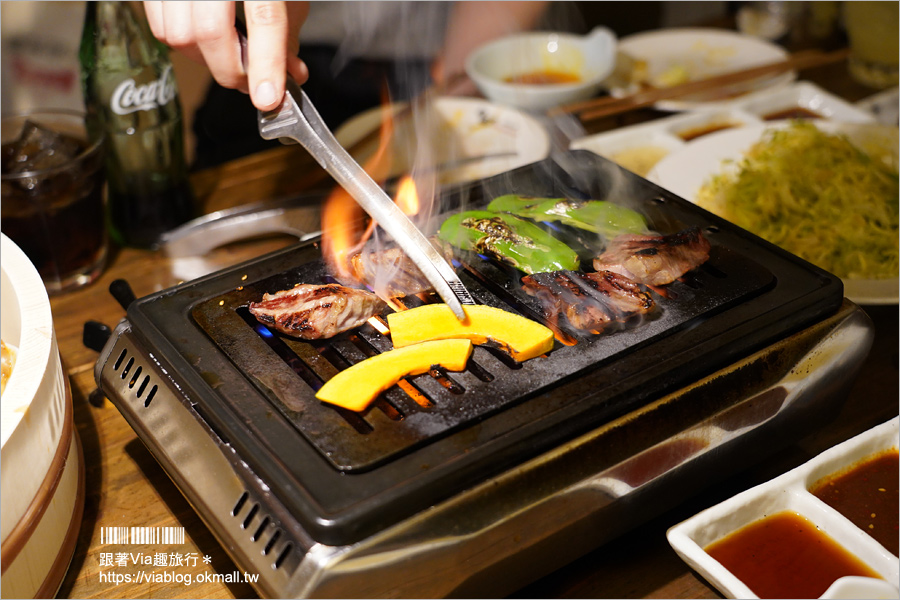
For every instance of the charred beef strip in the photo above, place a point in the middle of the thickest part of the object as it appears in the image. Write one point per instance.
(391, 273)
(655, 260)
(313, 312)
(591, 302)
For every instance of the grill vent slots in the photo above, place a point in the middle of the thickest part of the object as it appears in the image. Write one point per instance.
(245, 511)
(143, 384)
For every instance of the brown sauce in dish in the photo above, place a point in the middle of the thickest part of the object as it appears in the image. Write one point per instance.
(795, 112)
(695, 132)
(543, 78)
(785, 555)
(867, 494)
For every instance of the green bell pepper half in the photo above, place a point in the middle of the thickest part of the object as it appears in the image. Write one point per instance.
(510, 239)
(599, 216)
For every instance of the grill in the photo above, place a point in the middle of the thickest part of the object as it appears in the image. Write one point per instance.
(323, 501)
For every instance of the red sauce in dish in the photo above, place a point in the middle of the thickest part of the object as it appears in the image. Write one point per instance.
(786, 556)
(867, 494)
(543, 78)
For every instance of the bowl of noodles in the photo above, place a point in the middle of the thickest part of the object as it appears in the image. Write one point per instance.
(822, 190)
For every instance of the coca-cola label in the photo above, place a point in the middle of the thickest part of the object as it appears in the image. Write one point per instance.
(129, 97)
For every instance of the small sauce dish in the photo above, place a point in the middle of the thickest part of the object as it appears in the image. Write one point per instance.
(541, 70)
(848, 559)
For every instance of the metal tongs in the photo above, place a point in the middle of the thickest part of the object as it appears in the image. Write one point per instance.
(297, 119)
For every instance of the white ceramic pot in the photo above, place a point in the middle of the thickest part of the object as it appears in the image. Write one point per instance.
(41, 470)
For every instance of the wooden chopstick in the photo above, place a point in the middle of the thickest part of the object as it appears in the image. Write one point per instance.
(603, 107)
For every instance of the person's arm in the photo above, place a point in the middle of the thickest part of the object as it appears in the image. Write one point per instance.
(205, 32)
(473, 23)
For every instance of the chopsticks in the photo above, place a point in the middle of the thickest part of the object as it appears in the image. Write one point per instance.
(588, 110)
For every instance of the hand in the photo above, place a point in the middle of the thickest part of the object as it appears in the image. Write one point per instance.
(205, 33)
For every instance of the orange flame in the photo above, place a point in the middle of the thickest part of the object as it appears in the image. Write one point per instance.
(379, 324)
(407, 196)
(343, 233)
(346, 229)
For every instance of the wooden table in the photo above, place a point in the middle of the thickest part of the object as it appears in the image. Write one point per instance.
(126, 487)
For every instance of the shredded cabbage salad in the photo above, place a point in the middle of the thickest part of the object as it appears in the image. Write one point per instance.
(816, 195)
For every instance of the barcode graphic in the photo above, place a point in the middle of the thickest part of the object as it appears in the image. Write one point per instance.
(142, 535)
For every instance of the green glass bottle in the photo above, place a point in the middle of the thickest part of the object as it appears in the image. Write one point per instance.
(130, 93)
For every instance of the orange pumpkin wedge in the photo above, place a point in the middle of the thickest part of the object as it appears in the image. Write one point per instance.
(355, 388)
(521, 338)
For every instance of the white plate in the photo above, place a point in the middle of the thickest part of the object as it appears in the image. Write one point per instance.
(701, 53)
(883, 106)
(790, 492)
(662, 135)
(684, 172)
(804, 95)
(665, 135)
(467, 128)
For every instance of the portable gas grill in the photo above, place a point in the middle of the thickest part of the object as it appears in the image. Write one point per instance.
(458, 483)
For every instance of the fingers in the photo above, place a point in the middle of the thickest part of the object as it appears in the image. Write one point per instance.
(175, 28)
(217, 40)
(267, 45)
(297, 13)
(205, 32)
(153, 10)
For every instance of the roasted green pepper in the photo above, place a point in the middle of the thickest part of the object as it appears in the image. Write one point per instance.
(510, 239)
(599, 216)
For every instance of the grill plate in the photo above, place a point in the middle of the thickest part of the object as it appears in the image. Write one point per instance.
(346, 476)
(289, 372)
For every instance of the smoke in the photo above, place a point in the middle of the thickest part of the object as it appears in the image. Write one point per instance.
(425, 139)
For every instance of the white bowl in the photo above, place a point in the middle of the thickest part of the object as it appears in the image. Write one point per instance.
(591, 58)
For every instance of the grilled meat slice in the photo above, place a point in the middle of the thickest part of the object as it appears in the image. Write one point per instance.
(391, 273)
(313, 312)
(655, 260)
(590, 301)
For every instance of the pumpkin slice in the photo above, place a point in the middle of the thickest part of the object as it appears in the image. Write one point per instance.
(357, 387)
(521, 338)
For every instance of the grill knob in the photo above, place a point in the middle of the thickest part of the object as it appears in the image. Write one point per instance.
(121, 291)
(95, 335)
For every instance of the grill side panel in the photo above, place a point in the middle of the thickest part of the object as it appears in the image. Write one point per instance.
(240, 510)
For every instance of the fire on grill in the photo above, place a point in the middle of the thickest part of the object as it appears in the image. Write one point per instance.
(526, 233)
(597, 302)
(591, 301)
(549, 239)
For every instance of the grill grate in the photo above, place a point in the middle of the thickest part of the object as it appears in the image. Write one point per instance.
(424, 407)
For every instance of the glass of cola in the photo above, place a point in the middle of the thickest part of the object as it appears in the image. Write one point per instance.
(53, 196)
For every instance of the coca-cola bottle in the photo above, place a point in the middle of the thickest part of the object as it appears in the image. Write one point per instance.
(131, 95)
